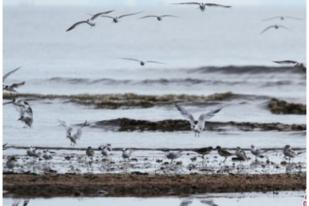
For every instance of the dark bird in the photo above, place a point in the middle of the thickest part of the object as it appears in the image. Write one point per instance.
(203, 5)
(158, 17)
(223, 153)
(282, 18)
(275, 26)
(173, 155)
(293, 63)
(93, 17)
(204, 151)
(197, 125)
(143, 62)
(117, 18)
(92, 24)
(89, 152)
(11, 162)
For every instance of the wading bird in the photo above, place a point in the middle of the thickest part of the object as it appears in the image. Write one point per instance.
(158, 17)
(275, 26)
(197, 125)
(223, 153)
(203, 5)
(117, 18)
(143, 62)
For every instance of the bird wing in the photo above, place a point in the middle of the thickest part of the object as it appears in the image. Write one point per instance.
(76, 24)
(9, 73)
(131, 14)
(267, 28)
(100, 13)
(78, 133)
(132, 59)
(168, 15)
(284, 27)
(286, 62)
(292, 17)
(16, 85)
(218, 5)
(154, 62)
(185, 113)
(271, 18)
(148, 16)
(206, 116)
(197, 3)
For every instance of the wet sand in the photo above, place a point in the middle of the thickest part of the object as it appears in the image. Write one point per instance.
(139, 184)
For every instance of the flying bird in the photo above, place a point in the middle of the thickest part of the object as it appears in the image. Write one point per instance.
(117, 18)
(274, 26)
(282, 18)
(88, 22)
(143, 62)
(14, 86)
(25, 111)
(158, 17)
(93, 17)
(73, 137)
(295, 64)
(203, 5)
(197, 125)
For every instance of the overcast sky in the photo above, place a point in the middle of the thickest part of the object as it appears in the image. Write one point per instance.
(146, 2)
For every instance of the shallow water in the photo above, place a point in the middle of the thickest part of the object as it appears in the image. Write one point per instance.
(239, 199)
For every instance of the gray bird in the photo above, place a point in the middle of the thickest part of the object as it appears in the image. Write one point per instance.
(209, 202)
(143, 62)
(202, 5)
(88, 22)
(289, 153)
(73, 137)
(223, 153)
(241, 154)
(11, 162)
(117, 18)
(274, 26)
(105, 149)
(89, 152)
(258, 153)
(126, 153)
(197, 125)
(282, 18)
(293, 63)
(186, 202)
(25, 111)
(158, 17)
(32, 152)
(173, 155)
(94, 16)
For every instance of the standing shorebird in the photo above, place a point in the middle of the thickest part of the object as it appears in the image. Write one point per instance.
(274, 26)
(90, 152)
(158, 17)
(223, 153)
(202, 5)
(126, 154)
(14, 86)
(117, 18)
(241, 154)
(258, 153)
(173, 155)
(289, 153)
(293, 63)
(197, 125)
(143, 62)
(204, 151)
(105, 150)
(73, 137)
(11, 163)
(87, 21)
(282, 18)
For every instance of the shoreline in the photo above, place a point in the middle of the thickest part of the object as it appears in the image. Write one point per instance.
(141, 185)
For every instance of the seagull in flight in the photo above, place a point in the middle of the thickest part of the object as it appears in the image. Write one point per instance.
(282, 18)
(117, 18)
(12, 87)
(203, 5)
(94, 16)
(158, 17)
(274, 26)
(197, 125)
(25, 111)
(293, 63)
(73, 137)
(87, 21)
(143, 62)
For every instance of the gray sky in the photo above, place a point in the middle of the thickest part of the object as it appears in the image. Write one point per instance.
(146, 2)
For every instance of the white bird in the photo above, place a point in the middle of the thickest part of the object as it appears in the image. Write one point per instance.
(197, 125)
(94, 16)
(88, 22)
(274, 26)
(126, 153)
(25, 111)
(289, 153)
(117, 18)
(143, 62)
(203, 5)
(158, 17)
(73, 137)
(14, 86)
(105, 149)
(32, 152)
(282, 18)
(258, 153)
(241, 154)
